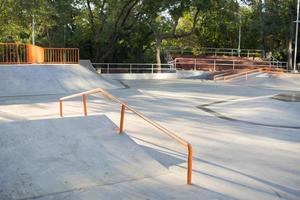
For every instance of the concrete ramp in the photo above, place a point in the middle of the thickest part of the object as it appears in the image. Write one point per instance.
(19, 80)
(282, 81)
(39, 158)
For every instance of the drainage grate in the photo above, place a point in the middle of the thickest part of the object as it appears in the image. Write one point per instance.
(289, 97)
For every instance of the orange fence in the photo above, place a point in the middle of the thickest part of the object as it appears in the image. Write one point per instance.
(13, 53)
(61, 55)
(124, 106)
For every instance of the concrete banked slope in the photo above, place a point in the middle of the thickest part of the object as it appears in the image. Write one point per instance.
(53, 156)
(18, 80)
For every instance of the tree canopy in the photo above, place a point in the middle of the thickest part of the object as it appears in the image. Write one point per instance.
(137, 30)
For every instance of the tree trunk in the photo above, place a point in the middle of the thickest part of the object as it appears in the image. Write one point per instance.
(158, 60)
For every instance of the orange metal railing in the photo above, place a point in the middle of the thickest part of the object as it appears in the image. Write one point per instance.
(61, 55)
(124, 106)
(13, 53)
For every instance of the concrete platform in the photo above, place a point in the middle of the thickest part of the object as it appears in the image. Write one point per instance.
(18, 80)
(52, 156)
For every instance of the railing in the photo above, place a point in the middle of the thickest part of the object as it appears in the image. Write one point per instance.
(219, 51)
(13, 53)
(278, 63)
(133, 68)
(121, 128)
(215, 64)
(61, 55)
(237, 75)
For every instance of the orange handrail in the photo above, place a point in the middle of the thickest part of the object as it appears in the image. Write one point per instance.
(121, 128)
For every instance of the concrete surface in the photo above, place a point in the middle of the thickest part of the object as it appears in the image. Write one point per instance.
(232, 159)
(52, 156)
(49, 79)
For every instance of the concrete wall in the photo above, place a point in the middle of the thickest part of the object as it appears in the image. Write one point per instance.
(178, 74)
(87, 64)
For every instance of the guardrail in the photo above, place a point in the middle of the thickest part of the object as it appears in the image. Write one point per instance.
(278, 63)
(133, 67)
(214, 64)
(61, 55)
(220, 51)
(13, 53)
(237, 75)
(124, 106)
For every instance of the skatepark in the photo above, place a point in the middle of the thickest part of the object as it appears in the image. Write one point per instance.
(149, 100)
(246, 142)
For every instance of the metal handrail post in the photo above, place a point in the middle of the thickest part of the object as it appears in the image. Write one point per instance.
(190, 164)
(122, 118)
(214, 65)
(108, 68)
(60, 108)
(152, 70)
(84, 105)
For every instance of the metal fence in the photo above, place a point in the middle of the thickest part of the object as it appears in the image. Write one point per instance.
(217, 52)
(133, 68)
(13, 53)
(61, 55)
(221, 64)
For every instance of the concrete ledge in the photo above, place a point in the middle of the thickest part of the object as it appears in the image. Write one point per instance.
(178, 74)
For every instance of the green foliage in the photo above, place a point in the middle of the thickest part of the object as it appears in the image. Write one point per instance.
(133, 30)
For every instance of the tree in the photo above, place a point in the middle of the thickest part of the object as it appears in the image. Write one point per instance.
(164, 21)
(137, 30)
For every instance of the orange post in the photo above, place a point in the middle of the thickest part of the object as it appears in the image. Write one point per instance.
(61, 108)
(190, 164)
(122, 118)
(84, 105)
